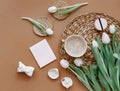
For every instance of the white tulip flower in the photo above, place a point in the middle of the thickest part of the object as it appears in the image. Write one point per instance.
(94, 43)
(49, 31)
(52, 9)
(105, 38)
(112, 28)
(64, 63)
(78, 62)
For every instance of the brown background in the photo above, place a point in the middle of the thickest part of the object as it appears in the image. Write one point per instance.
(16, 36)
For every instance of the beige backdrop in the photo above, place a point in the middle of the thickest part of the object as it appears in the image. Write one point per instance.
(16, 36)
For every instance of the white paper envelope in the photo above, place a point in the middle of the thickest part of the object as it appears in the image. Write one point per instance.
(43, 53)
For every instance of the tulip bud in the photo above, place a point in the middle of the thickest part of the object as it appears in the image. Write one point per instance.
(112, 28)
(105, 38)
(78, 62)
(64, 63)
(94, 43)
(52, 9)
(49, 31)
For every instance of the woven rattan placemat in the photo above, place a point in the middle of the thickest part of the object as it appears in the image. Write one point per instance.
(84, 25)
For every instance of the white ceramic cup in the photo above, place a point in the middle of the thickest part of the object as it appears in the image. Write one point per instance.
(75, 45)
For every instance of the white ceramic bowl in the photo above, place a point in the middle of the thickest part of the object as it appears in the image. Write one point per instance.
(75, 45)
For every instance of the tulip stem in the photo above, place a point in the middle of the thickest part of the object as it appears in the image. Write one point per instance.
(66, 7)
(69, 9)
(83, 80)
(36, 24)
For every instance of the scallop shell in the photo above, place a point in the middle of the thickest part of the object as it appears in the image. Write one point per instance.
(67, 82)
(75, 45)
(53, 73)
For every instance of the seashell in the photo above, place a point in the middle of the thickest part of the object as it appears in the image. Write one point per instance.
(53, 73)
(75, 45)
(67, 82)
(100, 24)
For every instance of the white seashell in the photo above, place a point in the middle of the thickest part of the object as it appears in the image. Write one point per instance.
(49, 31)
(94, 43)
(67, 82)
(100, 22)
(28, 70)
(64, 63)
(52, 9)
(78, 62)
(53, 73)
(112, 28)
(75, 45)
(105, 38)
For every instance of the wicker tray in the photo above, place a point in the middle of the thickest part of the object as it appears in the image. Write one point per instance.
(84, 25)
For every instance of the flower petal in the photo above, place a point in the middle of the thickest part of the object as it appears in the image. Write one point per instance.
(105, 38)
(64, 63)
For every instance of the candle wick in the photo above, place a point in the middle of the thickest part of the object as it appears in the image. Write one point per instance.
(100, 23)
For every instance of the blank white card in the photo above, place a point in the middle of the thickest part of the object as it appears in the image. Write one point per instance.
(42, 53)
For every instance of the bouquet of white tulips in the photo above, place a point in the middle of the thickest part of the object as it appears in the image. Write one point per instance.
(105, 74)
